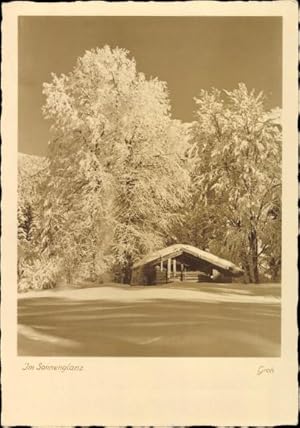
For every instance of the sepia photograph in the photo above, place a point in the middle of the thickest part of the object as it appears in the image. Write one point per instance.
(149, 221)
(149, 186)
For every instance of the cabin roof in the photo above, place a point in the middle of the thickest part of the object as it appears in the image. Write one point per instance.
(177, 249)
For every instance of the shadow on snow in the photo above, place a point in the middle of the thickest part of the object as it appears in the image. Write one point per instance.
(55, 326)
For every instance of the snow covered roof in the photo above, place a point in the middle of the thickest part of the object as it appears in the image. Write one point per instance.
(178, 249)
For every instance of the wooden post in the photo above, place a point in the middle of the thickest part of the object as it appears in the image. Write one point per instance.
(181, 269)
(174, 268)
(169, 268)
(161, 265)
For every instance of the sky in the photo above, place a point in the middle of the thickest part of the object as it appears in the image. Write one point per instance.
(189, 53)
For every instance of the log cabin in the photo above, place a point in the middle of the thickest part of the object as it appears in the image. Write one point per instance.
(182, 262)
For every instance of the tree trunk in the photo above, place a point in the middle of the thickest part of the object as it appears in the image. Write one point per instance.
(127, 275)
(254, 274)
(69, 276)
(93, 275)
(274, 266)
(127, 270)
(246, 268)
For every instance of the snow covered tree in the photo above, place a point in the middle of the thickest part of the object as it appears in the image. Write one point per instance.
(237, 176)
(117, 172)
(31, 172)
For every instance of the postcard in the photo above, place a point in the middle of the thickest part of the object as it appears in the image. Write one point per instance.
(149, 244)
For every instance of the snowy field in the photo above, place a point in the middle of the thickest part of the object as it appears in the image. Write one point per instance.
(186, 319)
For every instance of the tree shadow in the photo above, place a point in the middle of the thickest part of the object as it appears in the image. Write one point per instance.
(156, 327)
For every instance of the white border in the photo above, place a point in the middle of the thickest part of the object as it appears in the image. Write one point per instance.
(151, 391)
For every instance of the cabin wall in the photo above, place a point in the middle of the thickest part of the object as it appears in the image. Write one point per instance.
(143, 275)
(178, 268)
(137, 277)
(161, 276)
(218, 276)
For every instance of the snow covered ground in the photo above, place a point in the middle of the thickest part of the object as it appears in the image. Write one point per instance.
(180, 319)
(268, 293)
